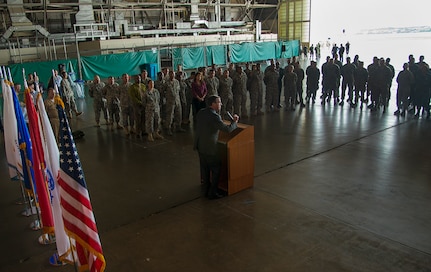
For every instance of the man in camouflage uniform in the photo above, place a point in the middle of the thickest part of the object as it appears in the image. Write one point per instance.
(289, 80)
(68, 97)
(144, 77)
(173, 104)
(52, 112)
(226, 94)
(135, 92)
(151, 102)
(212, 83)
(256, 90)
(231, 69)
(219, 72)
(272, 94)
(239, 89)
(112, 94)
(159, 84)
(189, 98)
(183, 85)
(99, 101)
(127, 115)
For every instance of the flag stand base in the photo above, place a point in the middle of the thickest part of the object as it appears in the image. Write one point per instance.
(46, 239)
(55, 261)
(35, 225)
(29, 211)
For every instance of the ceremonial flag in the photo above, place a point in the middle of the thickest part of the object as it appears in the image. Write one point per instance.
(42, 190)
(52, 160)
(78, 214)
(24, 145)
(11, 133)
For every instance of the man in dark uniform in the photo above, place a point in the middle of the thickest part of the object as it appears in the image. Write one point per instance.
(313, 76)
(360, 81)
(208, 124)
(347, 71)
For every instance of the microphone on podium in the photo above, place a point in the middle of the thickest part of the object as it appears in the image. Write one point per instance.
(230, 116)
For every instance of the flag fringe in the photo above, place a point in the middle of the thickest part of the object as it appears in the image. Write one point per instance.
(85, 245)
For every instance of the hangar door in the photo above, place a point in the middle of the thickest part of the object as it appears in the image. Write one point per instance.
(294, 20)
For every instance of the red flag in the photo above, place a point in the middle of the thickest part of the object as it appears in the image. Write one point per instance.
(39, 166)
(78, 216)
(52, 160)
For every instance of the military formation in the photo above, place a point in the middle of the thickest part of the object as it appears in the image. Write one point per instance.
(166, 105)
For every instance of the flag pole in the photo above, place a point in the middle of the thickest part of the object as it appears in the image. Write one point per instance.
(53, 81)
(10, 77)
(26, 197)
(73, 249)
(24, 79)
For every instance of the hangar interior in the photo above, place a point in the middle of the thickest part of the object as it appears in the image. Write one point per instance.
(52, 30)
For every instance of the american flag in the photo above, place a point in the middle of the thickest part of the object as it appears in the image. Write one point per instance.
(78, 216)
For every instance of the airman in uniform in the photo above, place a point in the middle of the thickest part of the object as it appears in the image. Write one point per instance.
(239, 89)
(99, 101)
(112, 94)
(226, 94)
(68, 97)
(127, 114)
(135, 92)
(151, 102)
(173, 104)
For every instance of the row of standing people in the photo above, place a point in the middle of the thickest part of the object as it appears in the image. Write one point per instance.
(171, 98)
(145, 105)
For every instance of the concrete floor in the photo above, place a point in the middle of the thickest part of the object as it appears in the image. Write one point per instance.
(336, 189)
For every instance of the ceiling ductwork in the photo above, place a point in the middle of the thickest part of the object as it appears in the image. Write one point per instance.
(21, 25)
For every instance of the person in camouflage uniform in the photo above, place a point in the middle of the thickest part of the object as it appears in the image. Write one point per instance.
(189, 98)
(151, 102)
(239, 89)
(99, 101)
(135, 92)
(183, 85)
(231, 69)
(144, 77)
(219, 72)
(271, 82)
(248, 70)
(112, 94)
(289, 80)
(159, 84)
(212, 83)
(127, 115)
(173, 104)
(52, 112)
(256, 90)
(226, 94)
(68, 97)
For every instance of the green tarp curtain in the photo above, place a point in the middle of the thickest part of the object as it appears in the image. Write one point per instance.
(133, 63)
(250, 52)
(240, 52)
(291, 49)
(216, 55)
(195, 57)
(190, 58)
(116, 64)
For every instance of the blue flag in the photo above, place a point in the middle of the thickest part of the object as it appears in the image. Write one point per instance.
(25, 145)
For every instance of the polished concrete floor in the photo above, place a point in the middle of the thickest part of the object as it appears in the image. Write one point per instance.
(335, 189)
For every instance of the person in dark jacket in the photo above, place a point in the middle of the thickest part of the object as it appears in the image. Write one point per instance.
(313, 76)
(208, 125)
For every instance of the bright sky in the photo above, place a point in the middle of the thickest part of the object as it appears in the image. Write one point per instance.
(330, 17)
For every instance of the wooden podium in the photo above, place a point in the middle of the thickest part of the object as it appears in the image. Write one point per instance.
(237, 153)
